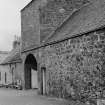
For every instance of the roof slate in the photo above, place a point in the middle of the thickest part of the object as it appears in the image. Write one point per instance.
(13, 56)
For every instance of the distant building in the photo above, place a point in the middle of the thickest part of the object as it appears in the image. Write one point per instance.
(13, 61)
(4, 73)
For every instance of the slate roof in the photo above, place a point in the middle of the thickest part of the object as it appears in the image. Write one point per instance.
(4, 52)
(13, 56)
(3, 55)
(87, 18)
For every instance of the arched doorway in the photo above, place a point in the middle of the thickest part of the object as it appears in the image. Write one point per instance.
(31, 79)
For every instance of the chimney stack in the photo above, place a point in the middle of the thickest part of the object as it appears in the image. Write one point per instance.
(16, 42)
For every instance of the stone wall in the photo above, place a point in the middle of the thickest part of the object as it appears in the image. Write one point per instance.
(41, 17)
(54, 12)
(76, 67)
(30, 25)
(17, 72)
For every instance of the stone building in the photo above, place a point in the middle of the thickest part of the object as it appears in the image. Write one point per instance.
(13, 63)
(64, 42)
(63, 48)
(4, 73)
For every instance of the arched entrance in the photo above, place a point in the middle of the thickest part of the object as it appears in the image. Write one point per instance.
(31, 79)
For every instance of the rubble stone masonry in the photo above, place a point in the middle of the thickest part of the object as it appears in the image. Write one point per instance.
(76, 67)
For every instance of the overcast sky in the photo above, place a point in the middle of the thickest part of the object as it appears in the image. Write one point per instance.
(10, 21)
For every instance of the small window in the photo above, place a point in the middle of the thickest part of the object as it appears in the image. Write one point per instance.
(0, 76)
(5, 77)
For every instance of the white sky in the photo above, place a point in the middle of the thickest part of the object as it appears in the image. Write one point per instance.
(10, 21)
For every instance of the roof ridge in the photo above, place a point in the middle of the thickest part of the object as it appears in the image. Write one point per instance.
(13, 54)
(28, 4)
(4, 52)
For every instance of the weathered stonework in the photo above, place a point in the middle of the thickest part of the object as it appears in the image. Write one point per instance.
(16, 68)
(54, 12)
(67, 68)
(75, 67)
(30, 25)
(41, 17)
